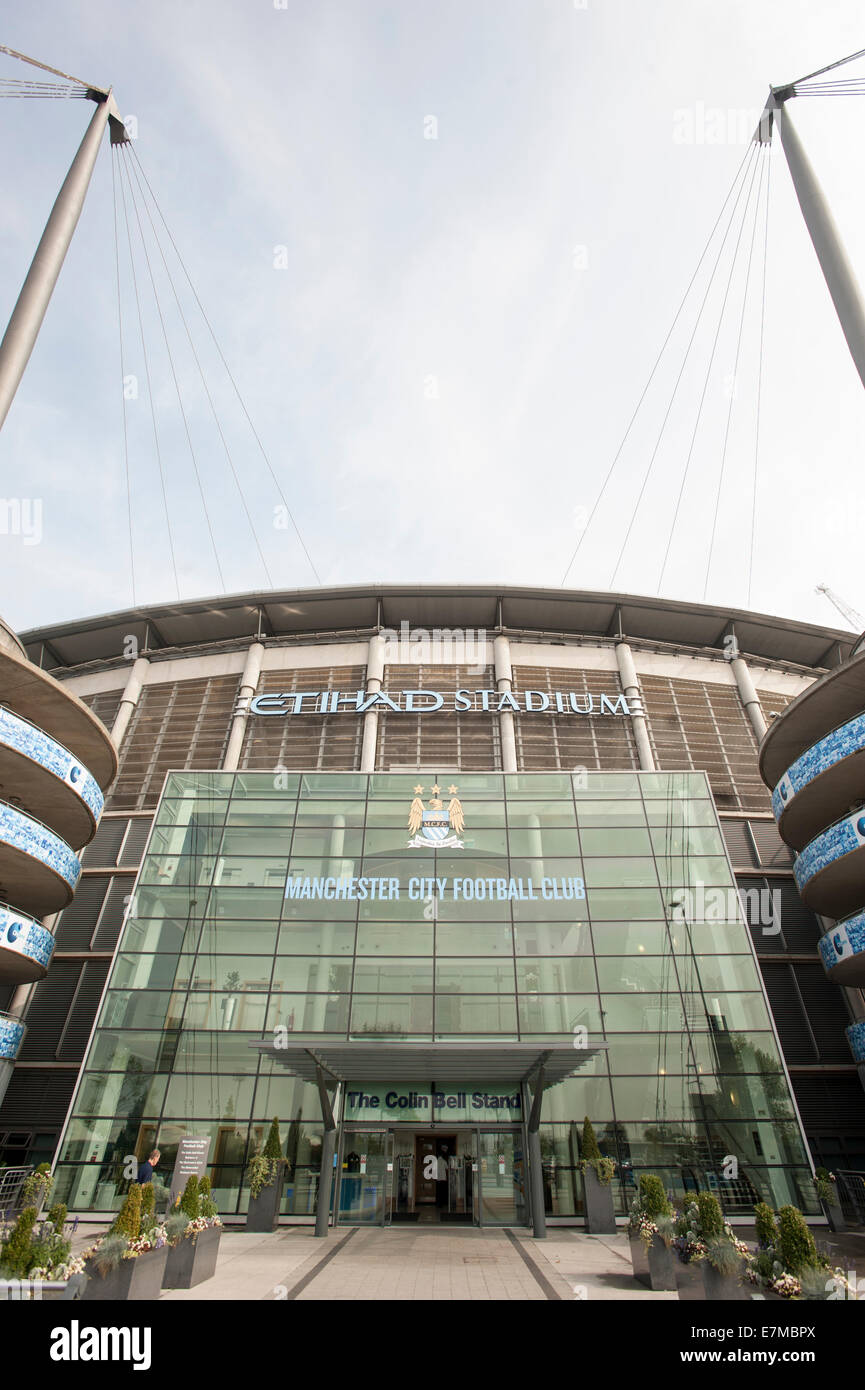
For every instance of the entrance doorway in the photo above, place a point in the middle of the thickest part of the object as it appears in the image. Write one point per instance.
(461, 1176)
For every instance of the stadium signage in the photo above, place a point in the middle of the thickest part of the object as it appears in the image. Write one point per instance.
(291, 702)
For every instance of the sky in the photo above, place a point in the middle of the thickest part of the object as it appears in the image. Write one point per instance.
(440, 248)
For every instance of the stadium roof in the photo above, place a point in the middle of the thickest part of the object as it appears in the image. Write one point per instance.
(357, 611)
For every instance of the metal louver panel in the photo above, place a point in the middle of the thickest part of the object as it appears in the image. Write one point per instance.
(771, 848)
(561, 742)
(38, 1099)
(102, 851)
(800, 927)
(738, 843)
(48, 1010)
(133, 849)
(77, 921)
(830, 1103)
(79, 1022)
(111, 920)
(827, 1013)
(322, 741)
(787, 1013)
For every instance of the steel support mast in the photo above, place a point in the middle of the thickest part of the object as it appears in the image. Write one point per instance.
(23, 329)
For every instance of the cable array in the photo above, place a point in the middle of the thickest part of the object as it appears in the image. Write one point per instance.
(150, 244)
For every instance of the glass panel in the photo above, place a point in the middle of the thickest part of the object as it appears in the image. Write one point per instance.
(503, 1188)
(473, 938)
(388, 938)
(391, 1015)
(541, 841)
(546, 975)
(542, 1013)
(467, 976)
(475, 1015)
(619, 840)
(394, 976)
(620, 873)
(364, 1181)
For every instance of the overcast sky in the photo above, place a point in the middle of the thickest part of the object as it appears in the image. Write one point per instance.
(440, 246)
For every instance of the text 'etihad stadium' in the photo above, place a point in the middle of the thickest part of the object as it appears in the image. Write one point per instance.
(428, 701)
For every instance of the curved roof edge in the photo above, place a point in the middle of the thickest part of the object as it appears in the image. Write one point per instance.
(295, 613)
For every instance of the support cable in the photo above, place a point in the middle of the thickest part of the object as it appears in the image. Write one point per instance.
(132, 171)
(150, 390)
(762, 163)
(830, 67)
(122, 382)
(750, 157)
(657, 362)
(234, 385)
(174, 379)
(705, 383)
(760, 373)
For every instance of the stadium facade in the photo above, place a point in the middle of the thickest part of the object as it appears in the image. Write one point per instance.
(436, 872)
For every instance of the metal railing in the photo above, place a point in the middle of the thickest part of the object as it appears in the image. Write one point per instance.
(11, 1189)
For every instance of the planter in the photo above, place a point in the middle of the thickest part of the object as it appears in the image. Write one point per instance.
(834, 1216)
(192, 1260)
(263, 1213)
(722, 1286)
(130, 1280)
(653, 1267)
(598, 1204)
(690, 1285)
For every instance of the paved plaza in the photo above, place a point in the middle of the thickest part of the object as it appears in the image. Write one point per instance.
(408, 1263)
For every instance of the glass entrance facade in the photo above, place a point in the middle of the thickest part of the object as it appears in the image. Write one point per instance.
(527, 907)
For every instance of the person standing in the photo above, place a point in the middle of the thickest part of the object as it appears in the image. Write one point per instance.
(145, 1171)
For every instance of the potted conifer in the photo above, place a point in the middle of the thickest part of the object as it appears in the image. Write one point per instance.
(827, 1192)
(129, 1262)
(597, 1172)
(650, 1232)
(265, 1175)
(193, 1234)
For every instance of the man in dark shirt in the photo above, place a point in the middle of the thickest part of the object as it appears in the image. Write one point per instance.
(145, 1171)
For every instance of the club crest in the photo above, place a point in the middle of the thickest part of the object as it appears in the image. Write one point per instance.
(435, 827)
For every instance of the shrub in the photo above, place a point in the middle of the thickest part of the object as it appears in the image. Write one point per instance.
(18, 1257)
(109, 1253)
(148, 1207)
(37, 1185)
(175, 1227)
(189, 1201)
(127, 1222)
(653, 1198)
(205, 1200)
(795, 1248)
(723, 1255)
(589, 1151)
(57, 1216)
(767, 1231)
(273, 1147)
(711, 1220)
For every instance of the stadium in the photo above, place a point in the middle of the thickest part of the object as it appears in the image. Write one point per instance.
(439, 871)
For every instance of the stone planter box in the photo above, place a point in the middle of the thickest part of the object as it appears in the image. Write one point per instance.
(598, 1204)
(722, 1286)
(263, 1213)
(834, 1216)
(130, 1280)
(192, 1260)
(689, 1281)
(653, 1267)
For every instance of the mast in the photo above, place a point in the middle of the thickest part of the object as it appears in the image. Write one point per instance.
(23, 328)
(831, 253)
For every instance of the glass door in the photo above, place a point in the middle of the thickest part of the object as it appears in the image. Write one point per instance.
(401, 1206)
(502, 1162)
(365, 1178)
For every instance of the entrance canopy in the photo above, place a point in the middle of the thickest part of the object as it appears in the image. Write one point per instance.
(474, 1063)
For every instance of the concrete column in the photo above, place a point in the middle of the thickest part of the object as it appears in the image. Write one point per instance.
(634, 697)
(831, 253)
(29, 311)
(748, 696)
(504, 683)
(374, 678)
(248, 687)
(129, 699)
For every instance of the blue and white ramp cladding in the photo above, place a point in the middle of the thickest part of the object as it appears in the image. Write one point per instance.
(842, 838)
(856, 1039)
(23, 936)
(11, 1033)
(841, 743)
(845, 941)
(31, 837)
(31, 742)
